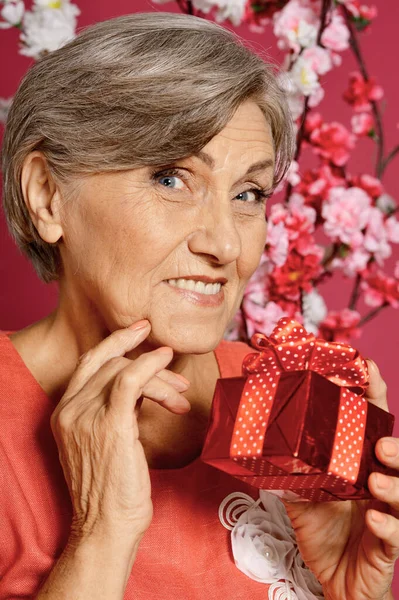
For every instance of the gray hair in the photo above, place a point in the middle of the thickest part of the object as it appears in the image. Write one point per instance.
(138, 90)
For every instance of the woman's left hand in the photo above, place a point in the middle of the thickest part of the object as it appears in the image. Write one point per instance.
(351, 546)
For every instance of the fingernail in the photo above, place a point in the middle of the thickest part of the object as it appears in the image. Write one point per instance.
(182, 378)
(378, 517)
(139, 325)
(180, 385)
(164, 350)
(390, 448)
(382, 481)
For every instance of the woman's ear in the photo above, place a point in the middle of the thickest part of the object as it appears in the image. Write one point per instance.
(42, 197)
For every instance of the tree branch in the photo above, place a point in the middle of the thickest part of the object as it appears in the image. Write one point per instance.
(372, 314)
(355, 47)
(326, 6)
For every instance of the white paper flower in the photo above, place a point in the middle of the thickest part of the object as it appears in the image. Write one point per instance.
(48, 26)
(261, 549)
(264, 546)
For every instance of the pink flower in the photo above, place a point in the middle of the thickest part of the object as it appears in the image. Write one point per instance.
(299, 221)
(346, 214)
(380, 289)
(297, 274)
(333, 142)
(376, 236)
(392, 229)
(336, 34)
(369, 184)
(340, 326)
(262, 318)
(277, 243)
(296, 25)
(313, 121)
(318, 59)
(361, 92)
(354, 262)
(316, 183)
(362, 124)
(359, 11)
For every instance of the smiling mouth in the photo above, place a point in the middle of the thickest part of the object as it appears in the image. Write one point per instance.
(200, 287)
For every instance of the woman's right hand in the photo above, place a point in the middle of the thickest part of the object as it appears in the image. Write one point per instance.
(96, 431)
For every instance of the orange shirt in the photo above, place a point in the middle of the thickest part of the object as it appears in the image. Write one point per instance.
(184, 555)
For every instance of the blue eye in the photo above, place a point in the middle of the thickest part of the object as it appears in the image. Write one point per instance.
(259, 196)
(170, 182)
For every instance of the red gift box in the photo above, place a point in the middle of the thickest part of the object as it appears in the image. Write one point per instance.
(297, 419)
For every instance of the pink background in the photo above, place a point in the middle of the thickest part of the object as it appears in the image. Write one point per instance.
(24, 299)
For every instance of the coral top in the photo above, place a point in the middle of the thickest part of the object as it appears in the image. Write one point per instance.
(186, 552)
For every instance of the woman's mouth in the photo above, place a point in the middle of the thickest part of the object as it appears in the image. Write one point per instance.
(199, 292)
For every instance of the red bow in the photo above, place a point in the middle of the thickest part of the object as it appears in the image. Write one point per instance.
(291, 348)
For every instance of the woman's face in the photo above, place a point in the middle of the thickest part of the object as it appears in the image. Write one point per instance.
(174, 244)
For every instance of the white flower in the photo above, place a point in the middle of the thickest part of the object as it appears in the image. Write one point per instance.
(264, 547)
(48, 26)
(304, 76)
(314, 311)
(386, 203)
(5, 104)
(234, 10)
(12, 13)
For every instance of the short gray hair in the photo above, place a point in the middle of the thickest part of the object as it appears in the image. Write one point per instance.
(138, 90)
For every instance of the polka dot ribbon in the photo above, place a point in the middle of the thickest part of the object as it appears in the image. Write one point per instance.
(291, 348)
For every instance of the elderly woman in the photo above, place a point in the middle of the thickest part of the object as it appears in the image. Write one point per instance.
(137, 161)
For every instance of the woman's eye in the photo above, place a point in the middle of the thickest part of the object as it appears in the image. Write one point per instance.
(171, 181)
(251, 196)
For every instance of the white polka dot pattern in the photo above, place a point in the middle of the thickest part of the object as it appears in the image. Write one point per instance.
(349, 436)
(291, 348)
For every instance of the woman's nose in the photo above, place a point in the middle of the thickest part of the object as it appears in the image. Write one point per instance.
(216, 235)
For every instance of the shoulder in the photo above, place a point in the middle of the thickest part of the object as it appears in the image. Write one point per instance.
(229, 356)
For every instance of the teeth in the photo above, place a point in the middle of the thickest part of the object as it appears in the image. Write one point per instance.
(196, 286)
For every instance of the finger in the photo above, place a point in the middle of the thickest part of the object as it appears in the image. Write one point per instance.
(386, 489)
(130, 382)
(376, 392)
(386, 528)
(178, 381)
(166, 395)
(115, 345)
(387, 451)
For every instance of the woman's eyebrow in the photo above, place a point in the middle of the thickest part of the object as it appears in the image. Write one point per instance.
(255, 168)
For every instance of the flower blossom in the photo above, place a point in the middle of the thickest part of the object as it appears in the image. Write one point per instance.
(380, 289)
(371, 185)
(299, 222)
(333, 142)
(296, 25)
(340, 326)
(12, 13)
(277, 243)
(362, 124)
(361, 92)
(386, 203)
(346, 213)
(316, 184)
(265, 549)
(234, 10)
(336, 34)
(314, 311)
(48, 27)
(376, 239)
(296, 275)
